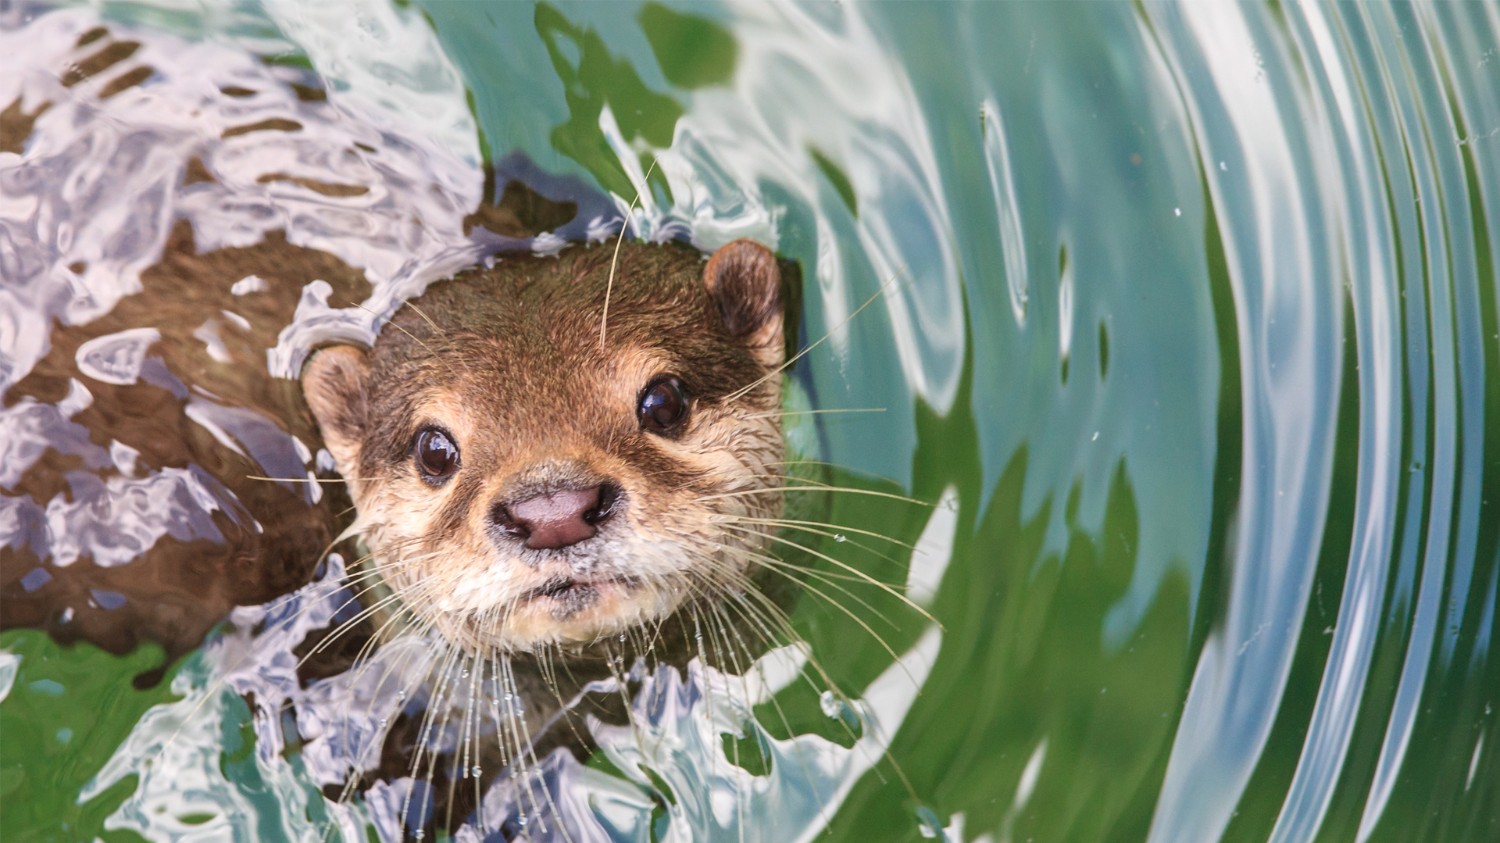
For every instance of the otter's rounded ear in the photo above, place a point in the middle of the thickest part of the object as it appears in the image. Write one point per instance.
(746, 282)
(334, 385)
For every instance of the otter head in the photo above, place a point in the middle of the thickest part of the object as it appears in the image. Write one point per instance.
(524, 480)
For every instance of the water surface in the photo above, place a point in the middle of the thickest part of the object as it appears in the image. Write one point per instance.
(1186, 325)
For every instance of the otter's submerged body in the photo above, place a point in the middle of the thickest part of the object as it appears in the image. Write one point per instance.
(558, 466)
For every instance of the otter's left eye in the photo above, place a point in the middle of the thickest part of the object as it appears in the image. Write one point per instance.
(664, 407)
(435, 454)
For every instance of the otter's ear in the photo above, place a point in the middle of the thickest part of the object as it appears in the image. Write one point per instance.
(746, 282)
(334, 385)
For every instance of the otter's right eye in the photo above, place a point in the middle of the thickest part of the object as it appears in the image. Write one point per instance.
(435, 454)
(664, 406)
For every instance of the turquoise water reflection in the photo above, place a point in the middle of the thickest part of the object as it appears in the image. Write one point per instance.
(1190, 312)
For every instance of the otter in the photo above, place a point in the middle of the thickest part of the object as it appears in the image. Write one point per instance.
(559, 466)
(544, 454)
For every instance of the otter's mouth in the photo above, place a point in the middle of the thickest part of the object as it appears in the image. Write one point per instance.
(569, 595)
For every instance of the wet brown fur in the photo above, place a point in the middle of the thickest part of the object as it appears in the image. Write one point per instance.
(506, 361)
(177, 591)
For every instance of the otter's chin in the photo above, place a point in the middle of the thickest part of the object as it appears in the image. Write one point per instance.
(566, 613)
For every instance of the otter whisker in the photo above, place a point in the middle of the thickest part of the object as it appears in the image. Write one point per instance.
(615, 259)
(761, 617)
(510, 753)
(812, 661)
(771, 611)
(526, 751)
(781, 414)
(392, 322)
(787, 570)
(830, 530)
(426, 734)
(365, 663)
(360, 760)
(857, 577)
(425, 317)
(350, 624)
(463, 758)
(708, 686)
(854, 616)
(737, 394)
(508, 736)
(812, 487)
(801, 461)
(298, 479)
(390, 669)
(839, 537)
(851, 569)
(378, 583)
(756, 623)
(725, 626)
(751, 728)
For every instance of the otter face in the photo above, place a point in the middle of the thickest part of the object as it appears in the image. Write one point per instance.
(522, 481)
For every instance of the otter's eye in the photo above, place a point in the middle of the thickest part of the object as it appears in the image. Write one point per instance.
(435, 454)
(664, 409)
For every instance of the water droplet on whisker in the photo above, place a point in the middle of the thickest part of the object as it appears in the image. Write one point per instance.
(928, 823)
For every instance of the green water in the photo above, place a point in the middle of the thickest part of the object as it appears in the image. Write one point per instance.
(1186, 326)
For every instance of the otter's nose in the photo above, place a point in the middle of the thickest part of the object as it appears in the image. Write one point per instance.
(557, 518)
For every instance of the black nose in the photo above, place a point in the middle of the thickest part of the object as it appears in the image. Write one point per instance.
(557, 518)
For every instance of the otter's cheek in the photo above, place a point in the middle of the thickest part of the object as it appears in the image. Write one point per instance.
(433, 570)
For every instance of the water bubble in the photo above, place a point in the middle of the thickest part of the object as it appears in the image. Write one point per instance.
(1176, 212)
(832, 706)
(418, 834)
(929, 824)
(840, 537)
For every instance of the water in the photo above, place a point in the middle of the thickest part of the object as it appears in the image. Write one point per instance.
(1186, 322)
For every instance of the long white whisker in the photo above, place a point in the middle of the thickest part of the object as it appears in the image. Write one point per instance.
(737, 394)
